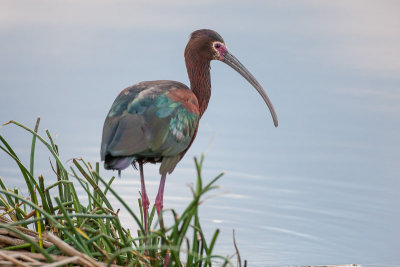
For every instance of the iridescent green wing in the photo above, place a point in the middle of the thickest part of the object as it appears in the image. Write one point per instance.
(160, 121)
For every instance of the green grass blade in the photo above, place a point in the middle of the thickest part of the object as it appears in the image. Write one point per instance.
(93, 184)
(8, 147)
(78, 241)
(49, 147)
(123, 203)
(46, 206)
(32, 158)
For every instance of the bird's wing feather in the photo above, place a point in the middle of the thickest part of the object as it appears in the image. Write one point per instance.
(114, 116)
(129, 126)
(152, 119)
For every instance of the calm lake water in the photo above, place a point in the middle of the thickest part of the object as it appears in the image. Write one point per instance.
(322, 188)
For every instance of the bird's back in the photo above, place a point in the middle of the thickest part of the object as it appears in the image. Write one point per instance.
(153, 121)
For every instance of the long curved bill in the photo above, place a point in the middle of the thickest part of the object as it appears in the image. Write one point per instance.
(233, 62)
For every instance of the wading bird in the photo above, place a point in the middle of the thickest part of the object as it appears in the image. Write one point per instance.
(157, 121)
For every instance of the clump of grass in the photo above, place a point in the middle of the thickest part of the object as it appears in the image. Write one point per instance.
(91, 233)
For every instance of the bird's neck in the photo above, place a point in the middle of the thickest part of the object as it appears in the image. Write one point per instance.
(200, 81)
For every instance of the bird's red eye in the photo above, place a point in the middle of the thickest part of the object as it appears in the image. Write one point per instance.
(217, 45)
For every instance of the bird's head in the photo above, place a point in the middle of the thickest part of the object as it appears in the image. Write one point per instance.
(207, 45)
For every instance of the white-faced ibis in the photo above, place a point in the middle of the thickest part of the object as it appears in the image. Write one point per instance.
(157, 121)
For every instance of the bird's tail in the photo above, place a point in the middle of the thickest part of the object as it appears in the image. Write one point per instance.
(117, 163)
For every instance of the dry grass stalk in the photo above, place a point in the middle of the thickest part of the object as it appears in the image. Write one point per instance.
(13, 260)
(84, 259)
(28, 259)
(9, 238)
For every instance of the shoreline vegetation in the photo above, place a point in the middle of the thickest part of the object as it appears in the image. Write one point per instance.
(37, 229)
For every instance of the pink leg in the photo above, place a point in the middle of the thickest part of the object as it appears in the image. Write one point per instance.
(166, 260)
(145, 199)
(160, 195)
